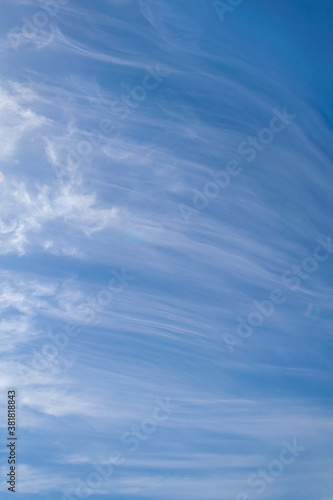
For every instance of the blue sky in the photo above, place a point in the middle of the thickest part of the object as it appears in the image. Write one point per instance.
(125, 273)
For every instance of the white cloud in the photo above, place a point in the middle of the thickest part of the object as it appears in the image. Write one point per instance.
(31, 215)
(35, 481)
(16, 120)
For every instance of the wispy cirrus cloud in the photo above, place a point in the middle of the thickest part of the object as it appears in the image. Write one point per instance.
(74, 206)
